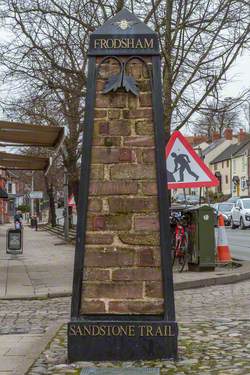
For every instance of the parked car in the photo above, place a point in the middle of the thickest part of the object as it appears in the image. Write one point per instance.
(193, 199)
(225, 209)
(234, 199)
(241, 214)
(179, 198)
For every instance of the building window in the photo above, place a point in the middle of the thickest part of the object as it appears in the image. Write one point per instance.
(227, 163)
(234, 166)
(243, 183)
(222, 164)
(9, 187)
(226, 179)
(244, 163)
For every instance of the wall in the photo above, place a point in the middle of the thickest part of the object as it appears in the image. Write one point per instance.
(122, 258)
(240, 169)
(226, 178)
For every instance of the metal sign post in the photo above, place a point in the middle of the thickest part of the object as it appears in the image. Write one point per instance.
(66, 207)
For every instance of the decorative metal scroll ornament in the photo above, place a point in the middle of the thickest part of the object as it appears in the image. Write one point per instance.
(121, 80)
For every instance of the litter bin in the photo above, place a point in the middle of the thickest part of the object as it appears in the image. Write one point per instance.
(201, 238)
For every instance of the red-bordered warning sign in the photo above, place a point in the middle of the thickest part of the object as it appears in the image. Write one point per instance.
(184, 167)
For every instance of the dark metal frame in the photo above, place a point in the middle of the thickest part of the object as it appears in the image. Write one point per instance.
(106, 347)
(165, 242)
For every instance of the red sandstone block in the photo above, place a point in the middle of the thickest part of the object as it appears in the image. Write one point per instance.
(97, 238)
(144, 85)
(107, 155)
(140, 274)
(106, 141)
(136, 307)
(100, 85)
(119, 127)
(135, 69)
(100, 113)
(102, 155)
(113, 188)
(133, 102)
(119, 100)
(140, 239)
(109, 256)
(92, 307)
(104, 128)
(147, 223)
(154, 289)
(96, 172)
(98, 223)
(149, 188)
(144, 127)
(138, 113)
(139, 141)
(115, 290)
(148, 156)
(145, 257)
(145, 100)
(95, 205)
(110, 222)
(133, 172)
(102, 101)
(95, 274)
(114, 114)
(125, 205)
(126, 155)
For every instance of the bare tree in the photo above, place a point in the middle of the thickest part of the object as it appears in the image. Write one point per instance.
(46, 59)
(200, 40)
(218, 116)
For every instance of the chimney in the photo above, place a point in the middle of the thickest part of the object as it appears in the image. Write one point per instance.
(215, 135)
(242, 136)
(228, 134)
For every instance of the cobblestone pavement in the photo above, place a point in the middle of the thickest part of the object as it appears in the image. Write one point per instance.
(214, 332)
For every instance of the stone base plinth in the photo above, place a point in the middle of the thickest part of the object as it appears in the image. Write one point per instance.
(121, 340)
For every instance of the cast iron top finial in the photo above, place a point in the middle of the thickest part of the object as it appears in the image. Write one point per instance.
(124, 22)
(124, 34)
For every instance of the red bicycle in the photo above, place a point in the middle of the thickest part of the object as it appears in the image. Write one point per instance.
(180, 246)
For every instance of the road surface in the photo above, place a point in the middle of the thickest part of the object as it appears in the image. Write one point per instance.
(239, 242)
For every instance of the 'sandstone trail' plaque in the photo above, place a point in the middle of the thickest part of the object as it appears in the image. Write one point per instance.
(122, 302)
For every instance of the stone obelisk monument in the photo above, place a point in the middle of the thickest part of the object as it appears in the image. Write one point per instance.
(122, 303)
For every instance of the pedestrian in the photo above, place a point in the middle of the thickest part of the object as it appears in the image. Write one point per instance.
(18, 220)
(35, 222)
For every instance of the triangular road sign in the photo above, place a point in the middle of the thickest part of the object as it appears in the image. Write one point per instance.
(184, 167)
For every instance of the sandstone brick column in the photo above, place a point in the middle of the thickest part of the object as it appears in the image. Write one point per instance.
(122, 273)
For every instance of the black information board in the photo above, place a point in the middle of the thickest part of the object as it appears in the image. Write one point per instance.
(14, 241)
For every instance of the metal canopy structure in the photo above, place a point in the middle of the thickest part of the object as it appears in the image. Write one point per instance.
(17, 133)
(23, 162)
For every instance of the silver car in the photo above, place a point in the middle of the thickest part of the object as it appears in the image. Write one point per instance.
(225, 209)
(241, 214)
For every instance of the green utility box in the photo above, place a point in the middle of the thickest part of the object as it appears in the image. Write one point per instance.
(201, 238)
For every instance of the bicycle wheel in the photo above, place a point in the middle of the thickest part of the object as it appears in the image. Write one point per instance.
(173, 249)
(182, 258)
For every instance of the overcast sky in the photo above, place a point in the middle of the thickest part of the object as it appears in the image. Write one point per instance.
(238, 77)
